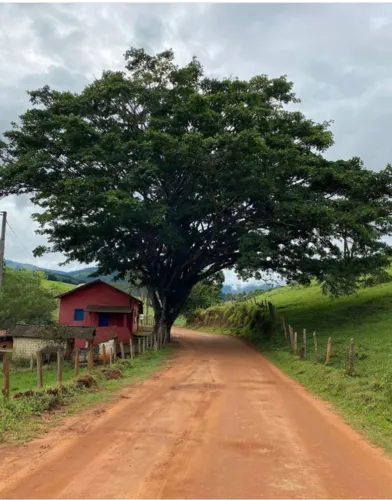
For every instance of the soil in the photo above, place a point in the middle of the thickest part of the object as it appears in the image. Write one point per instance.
(219, 422)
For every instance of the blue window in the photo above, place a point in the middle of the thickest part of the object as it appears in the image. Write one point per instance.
(103, 319)
(78, 315)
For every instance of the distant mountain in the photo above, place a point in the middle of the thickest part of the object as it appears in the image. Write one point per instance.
(246, 287)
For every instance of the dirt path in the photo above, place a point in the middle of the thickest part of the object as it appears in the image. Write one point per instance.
(222, 422)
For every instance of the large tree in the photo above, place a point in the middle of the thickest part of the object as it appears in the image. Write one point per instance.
(171, 176)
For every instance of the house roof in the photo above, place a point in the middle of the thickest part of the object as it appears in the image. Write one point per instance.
(108, 309)
(87, 285)
(48, 332)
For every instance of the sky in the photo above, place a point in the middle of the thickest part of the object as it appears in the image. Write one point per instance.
(339, 57)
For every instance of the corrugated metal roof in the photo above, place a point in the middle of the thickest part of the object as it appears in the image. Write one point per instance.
(50, 332)
(108, 309)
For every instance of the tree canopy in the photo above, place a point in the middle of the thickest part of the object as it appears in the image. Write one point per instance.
(170, 175)
(25, 300)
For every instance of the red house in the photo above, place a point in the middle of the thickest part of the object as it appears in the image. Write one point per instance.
(111, 311)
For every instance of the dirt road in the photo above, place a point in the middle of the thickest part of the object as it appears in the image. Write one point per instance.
(221, 422)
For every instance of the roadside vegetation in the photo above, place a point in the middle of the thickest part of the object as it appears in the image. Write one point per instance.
(365, 399)
(26, 416)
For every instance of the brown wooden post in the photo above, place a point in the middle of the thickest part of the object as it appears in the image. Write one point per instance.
(284, 328)
(111, 356)
(315, 348)
(122, 350)
(76, 363)
(31, 362)
(328, 356)
(131, 349)
(104, 354)
(39, 370)
(295, 343)
(139, 345)
(6, 376)
(351, 358)
(90, 356)
(59, 367)
(114, 351)
(291, 334)
(304, 338)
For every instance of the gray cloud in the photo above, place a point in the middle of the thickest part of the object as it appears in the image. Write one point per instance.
(338, 55)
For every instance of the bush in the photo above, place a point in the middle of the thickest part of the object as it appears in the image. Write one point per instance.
(243, 319)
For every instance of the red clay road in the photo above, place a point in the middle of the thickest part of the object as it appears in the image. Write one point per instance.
(219, 422)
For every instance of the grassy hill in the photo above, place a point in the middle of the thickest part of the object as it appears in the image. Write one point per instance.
(364, 400)
(57, 286)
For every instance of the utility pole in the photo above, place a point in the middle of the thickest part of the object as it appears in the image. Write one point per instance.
(2, 247)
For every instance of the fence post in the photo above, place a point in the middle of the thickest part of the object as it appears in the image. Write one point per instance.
(291, 333)
(104, 354)
(304, 337)
(91, 356)
(6, 376)
(295, 343)
(39, 370)
(131, 349)
(329, 345)
(139, 345)
(351, 357)
(315, 348)
(122, 350)
(31, 361)
(284, 328)
(111, 356)
(59, 367)
(114, 351)
(76, 373)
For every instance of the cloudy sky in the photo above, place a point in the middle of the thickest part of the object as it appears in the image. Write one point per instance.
(338, 55)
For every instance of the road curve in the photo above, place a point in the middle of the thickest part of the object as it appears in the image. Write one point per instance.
(219, 422)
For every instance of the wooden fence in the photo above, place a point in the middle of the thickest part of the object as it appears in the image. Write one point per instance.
(302, 350)
(137, 346)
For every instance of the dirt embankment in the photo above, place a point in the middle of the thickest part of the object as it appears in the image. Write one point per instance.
(221, 422)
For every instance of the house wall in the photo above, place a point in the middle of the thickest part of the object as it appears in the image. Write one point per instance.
(25, 347)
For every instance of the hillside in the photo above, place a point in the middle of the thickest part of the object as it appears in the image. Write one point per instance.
(365, 399)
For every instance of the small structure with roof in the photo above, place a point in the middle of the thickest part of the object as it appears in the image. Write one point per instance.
(111, 311)
(29, 339)
(6, 342)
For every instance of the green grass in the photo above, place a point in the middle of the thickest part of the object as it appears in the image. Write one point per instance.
(25, 418)
(365, 400)
(57, 286)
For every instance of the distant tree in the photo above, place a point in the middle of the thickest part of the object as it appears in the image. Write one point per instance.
(24, 299)
(204, 294)
(172, 176)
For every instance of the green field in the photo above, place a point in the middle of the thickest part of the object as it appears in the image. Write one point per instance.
(25, 418)
(57, 286)
(365, 400)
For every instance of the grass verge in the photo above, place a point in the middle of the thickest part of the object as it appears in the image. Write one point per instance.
(25, 418)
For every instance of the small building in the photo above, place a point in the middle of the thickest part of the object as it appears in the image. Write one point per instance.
(6, 343)
(29, 339)
(111, 311)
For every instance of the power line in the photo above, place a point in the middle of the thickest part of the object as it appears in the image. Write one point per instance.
(21, 242)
